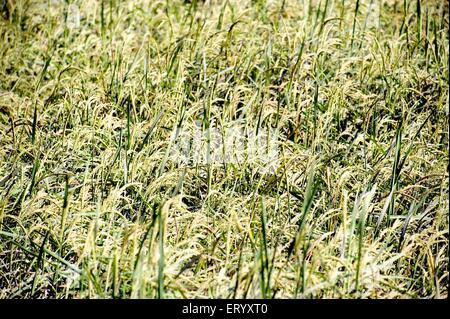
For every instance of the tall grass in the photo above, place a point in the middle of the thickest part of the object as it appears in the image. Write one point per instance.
(93, 204)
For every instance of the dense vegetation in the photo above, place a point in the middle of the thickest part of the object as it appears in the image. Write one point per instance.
(93, 206)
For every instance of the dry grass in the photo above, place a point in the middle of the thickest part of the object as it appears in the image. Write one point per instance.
(92, 207)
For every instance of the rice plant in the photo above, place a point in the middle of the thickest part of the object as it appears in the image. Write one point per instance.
(130, 162)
